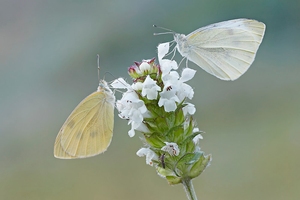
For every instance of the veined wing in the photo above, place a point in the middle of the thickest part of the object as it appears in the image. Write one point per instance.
(226, 49)
(89, 128)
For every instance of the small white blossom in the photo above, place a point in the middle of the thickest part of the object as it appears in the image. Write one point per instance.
(196, 129)
(171, 78)
(187, 74)
(131, 107)
(166, 65)
(189, 109)
(120, 83)
(137, 86)
(150, 89)
(172, 148)
(168, 99)
(144, 67)
(139, 126)
(197, 139)
(150, 155)
(185, 90)
(162, 50)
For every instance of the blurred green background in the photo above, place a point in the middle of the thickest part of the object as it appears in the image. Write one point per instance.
(48, 65)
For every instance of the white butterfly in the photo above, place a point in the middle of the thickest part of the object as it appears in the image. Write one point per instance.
(89, 128)
(225, 49)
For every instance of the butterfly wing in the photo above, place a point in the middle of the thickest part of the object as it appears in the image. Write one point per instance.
(226, 49)
(59, 152)
(89, 128)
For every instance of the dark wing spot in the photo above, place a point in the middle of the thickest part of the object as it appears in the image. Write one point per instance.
(93, 134)
(79, 135)
(71, 124)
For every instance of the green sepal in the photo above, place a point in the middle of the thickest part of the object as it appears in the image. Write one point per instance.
(170, 119)
(154, 109)
(181, 167)
(153, 75)
(199, 166)
(188, 143)
(179, 117)
(169, 175)
(154, 140)
(173, 180)
(175, 134)
(189, 129)
(157, 125)
(195, 158)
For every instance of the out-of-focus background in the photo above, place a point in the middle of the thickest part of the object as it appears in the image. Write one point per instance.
(48, 65)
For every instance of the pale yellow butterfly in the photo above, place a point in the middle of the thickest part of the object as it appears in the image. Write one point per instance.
(89, 128)
(225, 49)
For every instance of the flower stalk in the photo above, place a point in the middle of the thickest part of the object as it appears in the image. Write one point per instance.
(189, 189)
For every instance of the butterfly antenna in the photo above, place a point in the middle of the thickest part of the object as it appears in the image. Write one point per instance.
(169, 30)
(98, 65)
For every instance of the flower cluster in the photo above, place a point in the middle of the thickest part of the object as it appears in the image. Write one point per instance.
(156, 105)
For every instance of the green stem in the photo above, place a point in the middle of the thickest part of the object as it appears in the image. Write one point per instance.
(189, 189)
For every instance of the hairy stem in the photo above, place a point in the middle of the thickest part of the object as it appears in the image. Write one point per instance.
(189, 189)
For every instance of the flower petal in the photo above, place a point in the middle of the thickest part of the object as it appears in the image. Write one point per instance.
(187, 74)
(162, 50)
(120, 83)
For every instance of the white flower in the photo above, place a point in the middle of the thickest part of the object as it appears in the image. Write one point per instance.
(120, 83)
(189, 108)
(150, 155)
(131, 107)
(172, 148)
(168, 99)
(171, 78)
(137, 86)
(165, 65)
(184, 89)
(144, 67)
(187, 74)
(197, 139)
(139, 126)
(162, 50)
(150, 89)
(195, 130)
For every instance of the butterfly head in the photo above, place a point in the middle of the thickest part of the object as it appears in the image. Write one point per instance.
(182, 45)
